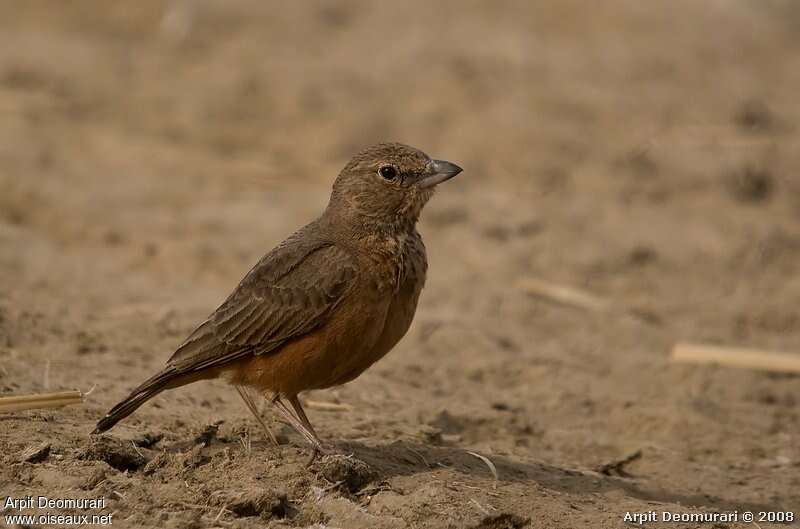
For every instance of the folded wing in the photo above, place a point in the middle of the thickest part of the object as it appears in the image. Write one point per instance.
(289, 293)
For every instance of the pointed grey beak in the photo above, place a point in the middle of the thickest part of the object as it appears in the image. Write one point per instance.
(438, 172)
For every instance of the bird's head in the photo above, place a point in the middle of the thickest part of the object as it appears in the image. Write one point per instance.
(388, 183)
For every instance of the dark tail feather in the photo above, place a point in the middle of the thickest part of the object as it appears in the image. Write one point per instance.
(146, 391)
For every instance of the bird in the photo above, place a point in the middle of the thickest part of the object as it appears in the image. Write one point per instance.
(325, 304)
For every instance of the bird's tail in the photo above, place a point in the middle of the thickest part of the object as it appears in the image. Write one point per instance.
(146, 391)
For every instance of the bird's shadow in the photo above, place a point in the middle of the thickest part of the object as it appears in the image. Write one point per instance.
(404, 458)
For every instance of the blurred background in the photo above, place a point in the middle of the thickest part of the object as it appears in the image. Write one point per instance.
(643, 152)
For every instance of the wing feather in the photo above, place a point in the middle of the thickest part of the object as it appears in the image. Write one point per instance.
(289, 293)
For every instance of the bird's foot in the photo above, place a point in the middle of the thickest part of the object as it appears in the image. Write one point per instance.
(315, 453)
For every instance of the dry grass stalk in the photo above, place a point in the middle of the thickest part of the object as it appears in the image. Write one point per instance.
(575, 297)
(480, 507)
(42, 400)
(735, 357)
(617, 466)
(492, 468)
(564, 295)
(220, 513)
(248, 400)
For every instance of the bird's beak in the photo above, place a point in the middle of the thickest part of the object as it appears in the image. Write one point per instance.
(438, 172)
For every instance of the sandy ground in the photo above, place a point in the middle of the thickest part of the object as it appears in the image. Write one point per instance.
(646, 152)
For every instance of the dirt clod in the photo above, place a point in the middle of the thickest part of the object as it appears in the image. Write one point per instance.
(208, 434)
(264, 503)
(431, 434)
(351, 472)
(118, 454)
(193, 458)
(147, 439)
(158, 462)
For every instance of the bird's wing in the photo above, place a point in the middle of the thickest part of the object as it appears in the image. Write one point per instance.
(290, 292)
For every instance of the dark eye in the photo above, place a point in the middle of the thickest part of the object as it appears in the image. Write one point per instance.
(388, 172)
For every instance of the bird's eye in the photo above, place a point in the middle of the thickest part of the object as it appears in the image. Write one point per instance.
(388, 172)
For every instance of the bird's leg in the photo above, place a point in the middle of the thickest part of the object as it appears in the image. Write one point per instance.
(296, 423)
(248, 400)
(301, 414)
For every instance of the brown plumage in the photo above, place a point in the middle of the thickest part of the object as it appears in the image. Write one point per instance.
(326, 303)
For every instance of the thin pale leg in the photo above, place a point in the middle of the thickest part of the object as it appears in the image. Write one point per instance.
(248, 400)
(295, 422)
(301, 414)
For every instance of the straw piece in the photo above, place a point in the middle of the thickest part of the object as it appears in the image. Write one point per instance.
(735, 357)
(575, 297)
(492, 468)
(564, 295)
(42, 400)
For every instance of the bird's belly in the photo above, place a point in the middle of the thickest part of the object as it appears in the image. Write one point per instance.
(332, 355)
(360, 335)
